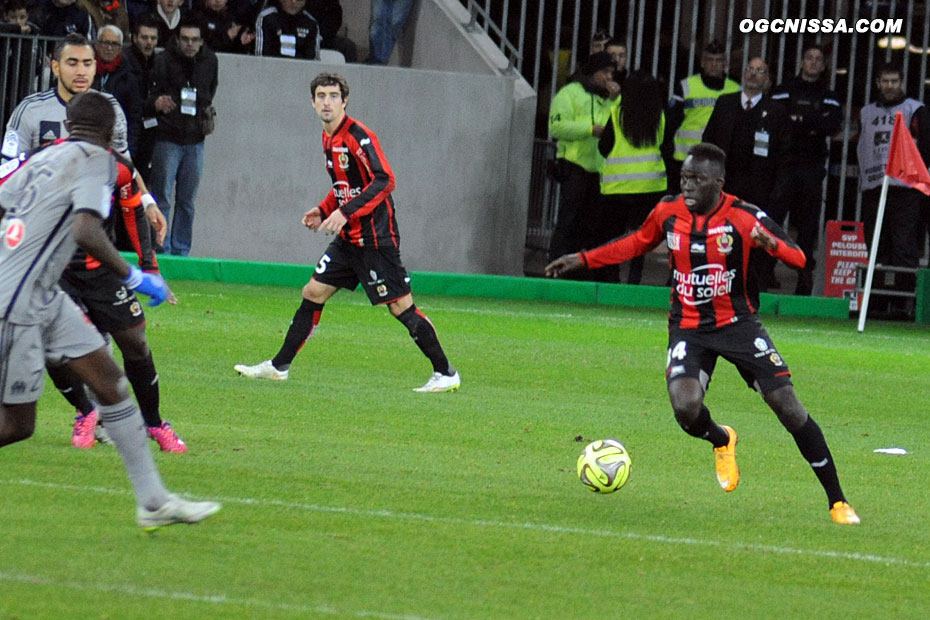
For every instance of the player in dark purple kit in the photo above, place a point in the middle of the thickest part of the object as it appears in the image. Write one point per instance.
(713, 239)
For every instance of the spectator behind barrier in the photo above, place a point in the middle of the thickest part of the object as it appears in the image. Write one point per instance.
(224, 31)
(57, 18)
(288, 32)
(328, 14)
(184, 81)
(105, 12)
(115, 77)
(139, 58)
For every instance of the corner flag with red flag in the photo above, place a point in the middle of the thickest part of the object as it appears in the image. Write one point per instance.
(904, 161)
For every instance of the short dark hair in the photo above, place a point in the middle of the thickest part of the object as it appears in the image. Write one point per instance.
(330, 79)
(90, 111)
(189, 21)
(714, 47)
(813, 46)
(14, 5)
(889, 68)
(709, 152)
(72, 38)
(147, 21)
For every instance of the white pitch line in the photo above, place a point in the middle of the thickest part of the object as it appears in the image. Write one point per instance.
(734, 546)
(212, 599)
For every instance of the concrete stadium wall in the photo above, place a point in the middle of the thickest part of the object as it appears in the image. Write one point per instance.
(458, 143)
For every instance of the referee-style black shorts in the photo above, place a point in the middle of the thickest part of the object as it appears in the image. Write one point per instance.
(104, 298)
(378, 270)
(745, 344)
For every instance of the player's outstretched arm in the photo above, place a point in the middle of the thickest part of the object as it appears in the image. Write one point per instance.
(564, 264)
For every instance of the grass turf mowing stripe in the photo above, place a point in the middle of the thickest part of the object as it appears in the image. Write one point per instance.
(732, 546)
(212, 599)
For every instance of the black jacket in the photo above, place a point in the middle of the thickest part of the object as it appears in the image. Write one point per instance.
(272, 24)
(750, 176)
(815, 113)
(171, 73)
(122, 84)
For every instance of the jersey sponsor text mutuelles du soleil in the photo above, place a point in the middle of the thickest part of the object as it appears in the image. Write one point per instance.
(709, 258)
(40, 200)
(362, 185)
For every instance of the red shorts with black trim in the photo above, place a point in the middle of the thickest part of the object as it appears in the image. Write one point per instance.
(745, 344)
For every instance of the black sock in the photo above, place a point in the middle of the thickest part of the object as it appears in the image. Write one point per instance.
(424, 334)
(704, 427)
(71, 388)
(302, 327)
(144, 381)
(814, 449)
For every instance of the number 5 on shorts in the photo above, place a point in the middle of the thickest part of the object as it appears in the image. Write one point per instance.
(321, 266)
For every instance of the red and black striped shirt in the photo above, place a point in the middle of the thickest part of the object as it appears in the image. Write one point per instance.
(128, 214)
(362, 185)
(709, 256)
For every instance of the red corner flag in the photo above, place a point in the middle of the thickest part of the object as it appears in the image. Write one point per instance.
(904, 161)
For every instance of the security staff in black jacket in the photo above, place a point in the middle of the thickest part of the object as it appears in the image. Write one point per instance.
(816, 114)
(754, 132)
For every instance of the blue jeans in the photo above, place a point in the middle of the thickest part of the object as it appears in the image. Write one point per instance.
(177, 167)
(387, 23)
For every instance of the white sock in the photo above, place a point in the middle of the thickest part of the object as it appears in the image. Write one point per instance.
(123, 422)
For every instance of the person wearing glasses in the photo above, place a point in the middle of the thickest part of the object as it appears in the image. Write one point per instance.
(755, 133)
(115, 77)
(691, 105)
(184, 81)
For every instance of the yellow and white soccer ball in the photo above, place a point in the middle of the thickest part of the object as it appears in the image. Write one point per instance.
(604, 465)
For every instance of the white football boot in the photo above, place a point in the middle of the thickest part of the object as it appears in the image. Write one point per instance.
(175, 510)
(439, 382)
(265, 370)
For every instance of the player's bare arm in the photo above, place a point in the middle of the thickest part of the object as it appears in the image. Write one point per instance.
(563, 264)
(313, 218)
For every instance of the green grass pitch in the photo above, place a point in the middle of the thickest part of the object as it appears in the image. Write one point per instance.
(346, 495)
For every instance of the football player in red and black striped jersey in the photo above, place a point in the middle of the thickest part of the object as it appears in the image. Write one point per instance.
(359, 210)
(713, 240)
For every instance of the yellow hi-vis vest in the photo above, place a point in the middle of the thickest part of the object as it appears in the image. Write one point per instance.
(633, 170)
(698, 103)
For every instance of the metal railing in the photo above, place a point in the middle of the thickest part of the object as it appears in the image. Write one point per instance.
(24, 69)
(547, 40)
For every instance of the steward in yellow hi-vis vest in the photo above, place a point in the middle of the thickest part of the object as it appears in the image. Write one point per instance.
(630, 169)
(691, 105)
(698, 102)
(577, 117)
(633, 178)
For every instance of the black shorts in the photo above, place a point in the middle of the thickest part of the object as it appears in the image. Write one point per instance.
(104, 298)
(379, 271)
(745, 344)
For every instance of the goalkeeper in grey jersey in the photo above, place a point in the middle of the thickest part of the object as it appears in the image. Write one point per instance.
(55, 202)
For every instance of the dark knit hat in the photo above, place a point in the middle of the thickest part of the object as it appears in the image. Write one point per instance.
(596, 62)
